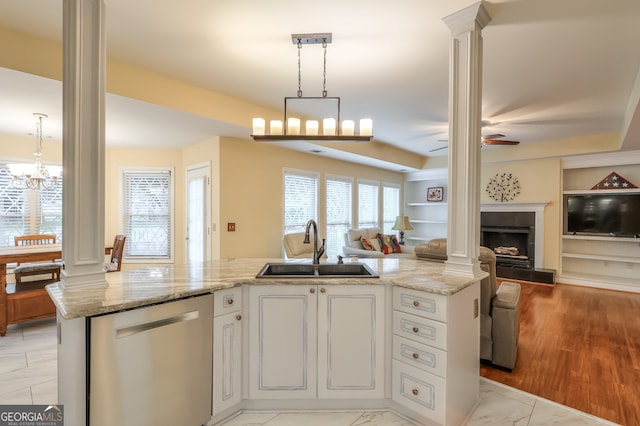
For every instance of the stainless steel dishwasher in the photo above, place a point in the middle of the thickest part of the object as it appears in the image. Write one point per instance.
(152, 366)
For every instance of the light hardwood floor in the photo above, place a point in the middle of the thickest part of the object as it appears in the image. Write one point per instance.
(579, 347)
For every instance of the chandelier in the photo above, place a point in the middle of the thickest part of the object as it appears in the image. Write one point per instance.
(35, 176)
(332, 129)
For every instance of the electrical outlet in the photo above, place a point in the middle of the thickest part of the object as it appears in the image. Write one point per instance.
(475, 308)
(231, 227)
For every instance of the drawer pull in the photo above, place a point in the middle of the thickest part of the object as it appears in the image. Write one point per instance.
(238, 317)
(230, 302)
(416, 329)
(415, 392)
(322, 290)
(312, 290)
(415, 355)
(416, 303)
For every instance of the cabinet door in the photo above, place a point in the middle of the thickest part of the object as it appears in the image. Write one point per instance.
(282, 338)
(351, 341)
(227, 361)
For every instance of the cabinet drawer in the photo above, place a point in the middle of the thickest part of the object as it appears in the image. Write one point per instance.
(227, 301)
(423, 393)
(421, 356)
(422, 330)
(421, 303)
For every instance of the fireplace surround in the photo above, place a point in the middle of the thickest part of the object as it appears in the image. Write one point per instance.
(515, 232)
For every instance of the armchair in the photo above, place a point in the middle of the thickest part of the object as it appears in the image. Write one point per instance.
(294, 247)
(499, 309)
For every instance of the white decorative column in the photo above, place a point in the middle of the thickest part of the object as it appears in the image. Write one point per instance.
(465, 115)
(83, 86)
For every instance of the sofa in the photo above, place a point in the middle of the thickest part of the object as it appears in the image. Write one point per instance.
(353, 244)
(499, 308)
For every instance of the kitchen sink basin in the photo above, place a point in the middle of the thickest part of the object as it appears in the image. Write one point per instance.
(324, 270)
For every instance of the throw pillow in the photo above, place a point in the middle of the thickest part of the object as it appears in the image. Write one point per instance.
(397, 248)
(385, 243)
(366, 244)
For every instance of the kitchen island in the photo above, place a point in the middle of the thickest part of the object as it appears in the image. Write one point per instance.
(407, 340)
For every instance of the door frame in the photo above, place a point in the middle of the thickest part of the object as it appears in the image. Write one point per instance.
(207, 173)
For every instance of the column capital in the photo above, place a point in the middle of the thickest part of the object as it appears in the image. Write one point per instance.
(471, 18)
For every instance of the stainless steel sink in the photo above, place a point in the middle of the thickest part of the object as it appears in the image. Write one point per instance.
(324, 270)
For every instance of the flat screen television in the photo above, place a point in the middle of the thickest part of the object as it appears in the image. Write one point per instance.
(602, 214)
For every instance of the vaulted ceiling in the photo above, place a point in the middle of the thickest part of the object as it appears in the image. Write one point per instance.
(553, 69)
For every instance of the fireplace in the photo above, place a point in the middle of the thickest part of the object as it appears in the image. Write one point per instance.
(511, 236)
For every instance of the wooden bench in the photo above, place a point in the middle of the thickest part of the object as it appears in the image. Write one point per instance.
(40, 268)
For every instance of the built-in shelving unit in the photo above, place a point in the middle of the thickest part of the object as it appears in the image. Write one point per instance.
(599, 260)
(429, 218)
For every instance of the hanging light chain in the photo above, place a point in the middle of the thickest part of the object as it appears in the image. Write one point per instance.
(299, 72)
(324, 69)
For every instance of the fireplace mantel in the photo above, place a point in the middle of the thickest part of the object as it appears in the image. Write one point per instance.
(537, 208)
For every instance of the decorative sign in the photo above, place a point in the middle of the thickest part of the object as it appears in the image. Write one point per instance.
(435, 193)
(503, 187)
(614, 181)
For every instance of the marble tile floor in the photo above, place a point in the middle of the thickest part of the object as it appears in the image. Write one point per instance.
(28, 375)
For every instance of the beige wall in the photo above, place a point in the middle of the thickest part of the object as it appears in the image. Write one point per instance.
(118, 158)
(251, 176)
(540, 181)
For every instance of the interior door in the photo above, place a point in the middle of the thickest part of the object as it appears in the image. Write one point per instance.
(198, 201)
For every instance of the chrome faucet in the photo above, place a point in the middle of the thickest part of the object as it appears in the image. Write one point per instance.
(317, 252)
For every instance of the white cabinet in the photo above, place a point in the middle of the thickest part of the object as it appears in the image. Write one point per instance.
(435, 354)
(427, 215)
(282, 341)
(227, 349)
(310, 341)
(351, 341)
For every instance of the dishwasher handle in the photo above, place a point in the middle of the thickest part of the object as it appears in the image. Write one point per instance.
(146, 326)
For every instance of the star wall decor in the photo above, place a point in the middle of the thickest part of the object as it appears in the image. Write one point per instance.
(503, 187)
(614, 181)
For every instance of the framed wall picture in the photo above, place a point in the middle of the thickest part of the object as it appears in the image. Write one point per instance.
(435, 193)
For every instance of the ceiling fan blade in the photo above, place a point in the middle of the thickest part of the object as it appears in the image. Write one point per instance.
(499, 142)
(438, 149)
(494, 136)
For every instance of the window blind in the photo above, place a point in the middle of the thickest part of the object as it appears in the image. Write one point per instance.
(300, 200)
(390, 207)
(367, 204)
(26, 211)
(147, 214)
(339, 213)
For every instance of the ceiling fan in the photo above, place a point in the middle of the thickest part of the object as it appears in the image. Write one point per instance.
(495, 139)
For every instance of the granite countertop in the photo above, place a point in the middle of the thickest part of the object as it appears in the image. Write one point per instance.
(146, 286)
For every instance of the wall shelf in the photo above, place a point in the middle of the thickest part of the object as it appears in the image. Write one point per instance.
(429, 218)
(602, 238)
(601, 258)
(431, 204)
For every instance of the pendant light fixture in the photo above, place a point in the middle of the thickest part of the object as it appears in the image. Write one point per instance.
(35, 176)
(317, 127)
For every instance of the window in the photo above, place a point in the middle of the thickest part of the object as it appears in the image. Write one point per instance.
(25, 211)
(148, 214)
(390, 206)
(339, 213)
(368, 204)
(300, 200)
